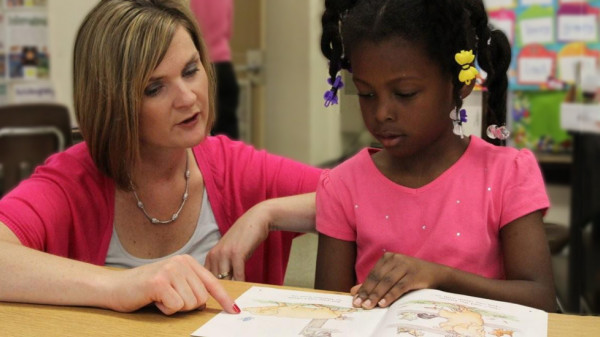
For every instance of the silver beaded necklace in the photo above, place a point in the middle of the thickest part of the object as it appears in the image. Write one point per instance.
(175, 215)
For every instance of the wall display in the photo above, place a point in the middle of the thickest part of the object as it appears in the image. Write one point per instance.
(27, 43)
(553, 42)
(24, 3)
(536, 121)
(24, 52)
(549, 39)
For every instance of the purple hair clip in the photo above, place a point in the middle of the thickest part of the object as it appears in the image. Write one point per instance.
(330, 98)
(338, 84)
(463, 115)
(331, 95)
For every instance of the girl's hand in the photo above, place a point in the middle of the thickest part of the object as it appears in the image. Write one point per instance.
(393, 276)
(230, 254)
(176, 284)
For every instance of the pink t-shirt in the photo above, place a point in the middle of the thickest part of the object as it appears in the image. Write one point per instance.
(455, 220)
(215, 18)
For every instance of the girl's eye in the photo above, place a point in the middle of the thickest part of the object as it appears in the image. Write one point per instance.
(152, 90)
(406, 94)
(365, 95)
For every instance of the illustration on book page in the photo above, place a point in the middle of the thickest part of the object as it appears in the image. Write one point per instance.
(277, 312)
(430, 312)
(421, 313)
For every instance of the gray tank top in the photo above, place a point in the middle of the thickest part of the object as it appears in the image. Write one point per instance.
(204, 238)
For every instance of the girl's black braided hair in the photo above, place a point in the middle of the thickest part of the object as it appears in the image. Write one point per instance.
(442, 27)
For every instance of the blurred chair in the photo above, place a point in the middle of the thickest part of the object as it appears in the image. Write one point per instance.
(29, 133)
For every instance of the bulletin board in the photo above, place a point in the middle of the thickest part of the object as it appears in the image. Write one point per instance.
(550, 40)
(24, 52)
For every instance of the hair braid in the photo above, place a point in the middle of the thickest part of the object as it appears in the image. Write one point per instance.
(494, 57)
(331, 39)
(331, 43)
(451, 33)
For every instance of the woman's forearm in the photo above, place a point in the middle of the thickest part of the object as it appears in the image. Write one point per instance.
(294, 213)
(32, 276)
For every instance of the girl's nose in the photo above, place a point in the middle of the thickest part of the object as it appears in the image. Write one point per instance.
(385, 111)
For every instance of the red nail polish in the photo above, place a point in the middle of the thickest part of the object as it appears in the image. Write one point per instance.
(236, 308)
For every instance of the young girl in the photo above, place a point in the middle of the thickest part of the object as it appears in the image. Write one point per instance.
(432, 208)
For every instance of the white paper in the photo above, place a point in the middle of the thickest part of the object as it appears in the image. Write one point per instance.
(425, 313)
(568, 67)
(580, 117)
(581, 28)
(537, 2)
(538, 30)
(534, 69)
(26, 92)
(506, 26)
(495, 4)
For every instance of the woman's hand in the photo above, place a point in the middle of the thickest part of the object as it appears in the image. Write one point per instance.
(229, 255)
(176, 284)
(293, 213)
(393, 276)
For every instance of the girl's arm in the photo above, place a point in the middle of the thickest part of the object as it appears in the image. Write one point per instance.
(335, 264)
(527, 265)
(175, 284)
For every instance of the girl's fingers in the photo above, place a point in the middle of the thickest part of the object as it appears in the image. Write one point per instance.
(365, 295)
(354, 289)
(386, 284)
(397, 291)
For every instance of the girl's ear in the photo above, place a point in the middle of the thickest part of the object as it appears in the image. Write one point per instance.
(466, 89)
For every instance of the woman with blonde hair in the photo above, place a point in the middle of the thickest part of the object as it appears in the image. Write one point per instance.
(148, 190)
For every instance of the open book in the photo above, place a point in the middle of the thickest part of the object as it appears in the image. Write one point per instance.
(427, 312)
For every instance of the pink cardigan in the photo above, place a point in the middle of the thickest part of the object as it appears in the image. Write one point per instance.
(67, 206)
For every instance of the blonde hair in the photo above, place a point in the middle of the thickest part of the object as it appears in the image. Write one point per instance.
(117, 48)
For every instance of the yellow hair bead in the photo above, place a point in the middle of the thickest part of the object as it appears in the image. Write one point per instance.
(468, 72)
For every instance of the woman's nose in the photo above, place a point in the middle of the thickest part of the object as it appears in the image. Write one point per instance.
(185, 95)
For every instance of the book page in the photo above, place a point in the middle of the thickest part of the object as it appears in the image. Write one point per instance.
(436, 313)
(278, 312)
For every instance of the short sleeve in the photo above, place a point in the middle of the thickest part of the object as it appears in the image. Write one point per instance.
(525, 192)
(33, 208)
(65, 208)
(335, 216)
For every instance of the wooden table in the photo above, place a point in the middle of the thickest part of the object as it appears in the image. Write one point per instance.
(45, 320)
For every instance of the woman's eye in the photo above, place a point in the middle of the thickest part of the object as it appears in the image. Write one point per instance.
(152, 90)
(191, 71)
